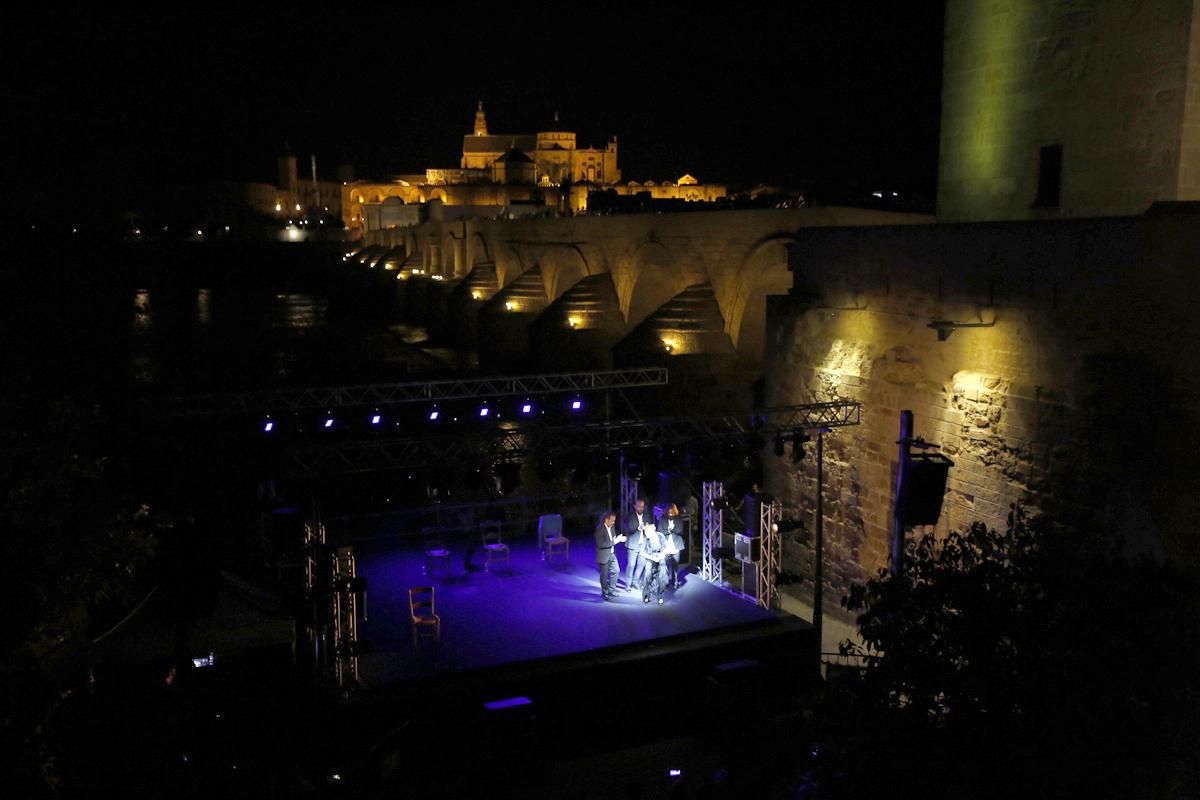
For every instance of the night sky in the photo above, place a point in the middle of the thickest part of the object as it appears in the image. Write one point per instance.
(837, 98)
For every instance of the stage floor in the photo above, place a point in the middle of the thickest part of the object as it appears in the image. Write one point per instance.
(536, 610)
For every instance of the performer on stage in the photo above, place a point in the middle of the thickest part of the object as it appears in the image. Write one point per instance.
(654, 572)
(634, 565)
(671, 528)
(606, 558)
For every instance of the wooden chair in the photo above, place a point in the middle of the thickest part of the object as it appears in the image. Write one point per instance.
(436, 551)
(424, 615)
(493, 548)
(550, 535)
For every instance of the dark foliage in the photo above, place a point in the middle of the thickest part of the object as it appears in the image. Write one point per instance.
(1036, 662)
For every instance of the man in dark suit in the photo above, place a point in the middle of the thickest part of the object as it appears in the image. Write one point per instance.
(606, 558)
(634, 566)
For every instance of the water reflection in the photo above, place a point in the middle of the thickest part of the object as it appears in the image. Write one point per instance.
(410, 334)
(285, 364)
(141, 310)
(300, 311)
(143, 369)
(204, 306)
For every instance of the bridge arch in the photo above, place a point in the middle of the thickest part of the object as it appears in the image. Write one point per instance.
(478, 251)
(763, 271)
(454, 255)
(655, 277)
(562, 269)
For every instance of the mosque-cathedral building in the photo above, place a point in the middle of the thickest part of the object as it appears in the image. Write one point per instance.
(512, 174)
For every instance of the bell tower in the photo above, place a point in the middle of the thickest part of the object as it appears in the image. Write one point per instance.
(480, 121)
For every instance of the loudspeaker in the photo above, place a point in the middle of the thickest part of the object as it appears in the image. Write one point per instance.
(747, 548)
(924, 488)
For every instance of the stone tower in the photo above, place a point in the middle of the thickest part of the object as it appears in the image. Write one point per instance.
(1068, 108)
(480, 121)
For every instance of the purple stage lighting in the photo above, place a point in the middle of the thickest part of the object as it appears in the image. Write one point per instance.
(329, 423)
(675, 773)
(508, 702)
(433, 415)
(376, 419)
(483, 412)
(268, 426)
(527, 408)
(576, 404)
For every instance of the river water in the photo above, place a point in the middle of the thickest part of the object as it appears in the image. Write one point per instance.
(184, 318)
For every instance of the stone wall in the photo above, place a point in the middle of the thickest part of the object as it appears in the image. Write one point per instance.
(1079, 398)
(1189, 168)
(1106, 79)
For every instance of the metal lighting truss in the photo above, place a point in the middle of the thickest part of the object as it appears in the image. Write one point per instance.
(314, 539)
(518, 441)
(345, 616)
(771, 554)
(629, 492)
(385, 394)
(713, 523)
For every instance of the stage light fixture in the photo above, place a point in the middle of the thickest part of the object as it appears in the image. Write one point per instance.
(375, 420)
(577, 404)
(268, 426)
(328, 423)
(799, 439)
(483, 412)
(433, 414)
(527, 407)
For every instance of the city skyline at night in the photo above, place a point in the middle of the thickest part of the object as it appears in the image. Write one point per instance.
(834, 99)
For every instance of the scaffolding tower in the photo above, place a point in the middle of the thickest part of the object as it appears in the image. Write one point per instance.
(348, 588)
(713, 524)
(771, 554)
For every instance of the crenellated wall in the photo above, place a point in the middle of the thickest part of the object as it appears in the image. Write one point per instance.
(1078, 392)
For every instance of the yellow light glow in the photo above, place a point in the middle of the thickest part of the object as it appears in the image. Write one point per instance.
(510, 306)
(297, 206)
(574, 322)
(476, 294)
(279, 206)
(670, 345)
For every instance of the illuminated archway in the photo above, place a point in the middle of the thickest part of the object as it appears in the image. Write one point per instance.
(763, 271)
(478, 251)
(656, 278)
(562, 269)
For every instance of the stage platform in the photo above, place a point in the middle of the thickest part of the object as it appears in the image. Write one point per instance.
(538, 684)
(534, 610)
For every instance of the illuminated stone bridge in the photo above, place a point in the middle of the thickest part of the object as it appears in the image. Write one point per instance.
(593, 291)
